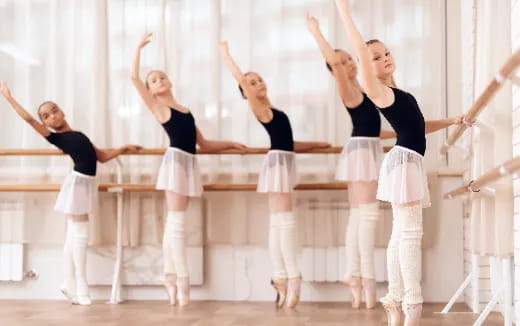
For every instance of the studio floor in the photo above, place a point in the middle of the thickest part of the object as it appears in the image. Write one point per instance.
(24, 312)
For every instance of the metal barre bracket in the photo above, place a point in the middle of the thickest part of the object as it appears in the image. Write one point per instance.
(470, 188)
(469, 123)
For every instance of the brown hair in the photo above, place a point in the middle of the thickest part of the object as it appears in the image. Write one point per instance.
(41, 105)
(327, 64)
(240, 87)
(148, 75)
(370, 42)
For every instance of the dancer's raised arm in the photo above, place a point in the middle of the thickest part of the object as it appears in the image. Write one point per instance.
(38, 126)
(141, 86)
(350, 94)
(246, 86)
(376, 91)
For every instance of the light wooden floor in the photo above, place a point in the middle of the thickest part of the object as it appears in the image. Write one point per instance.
(201, 313)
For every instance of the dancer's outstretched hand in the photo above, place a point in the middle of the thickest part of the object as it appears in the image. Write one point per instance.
(459, 120)
(322, 145)
(145, 40)
(238, 146)
(132, 149)
(223, 47)
(312, 23)
(4, 89)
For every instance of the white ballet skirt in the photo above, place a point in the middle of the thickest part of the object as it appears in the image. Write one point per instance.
(278, 172)
(179, 172)
(78, 194)
(403, 178)
(360, 160)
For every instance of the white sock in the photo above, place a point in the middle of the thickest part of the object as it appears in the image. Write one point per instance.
(69, 282)
(288, 243)
(174, 235)
(410, 255)
(79, 253)
(368, 216)
(351, 245)
(275, 249)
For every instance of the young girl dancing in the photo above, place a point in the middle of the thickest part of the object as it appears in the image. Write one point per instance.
(179, 174)
(277, 178)
(77, 197)
(358, 165)
(402, 180)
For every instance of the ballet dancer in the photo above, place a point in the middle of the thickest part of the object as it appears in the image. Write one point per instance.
(359, 166)
(402, 180)
(77, 196)
(179, 174)
(277, 178)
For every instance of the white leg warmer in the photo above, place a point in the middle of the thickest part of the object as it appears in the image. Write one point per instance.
(351, 245)
(395, 281)
(275, 250)
(288, 243)
(174, 241)
(79, 253)
(410, 255)
(368, 216)
(69, 282)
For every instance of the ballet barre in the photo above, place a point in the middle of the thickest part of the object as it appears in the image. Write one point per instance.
(504, 169)
(119, 188)
(480, 185)
(114, 187)
(506, 72)
(160, 151)
(504, 294)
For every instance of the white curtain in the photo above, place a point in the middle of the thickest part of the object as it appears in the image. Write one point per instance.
(78, 53)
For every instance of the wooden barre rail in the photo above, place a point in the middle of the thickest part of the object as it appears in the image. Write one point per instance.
(151, 187)
(504, 169)
(160, 151)
(505, 72)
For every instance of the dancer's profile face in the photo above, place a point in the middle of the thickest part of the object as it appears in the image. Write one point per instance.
(382, 59)
(158, 82)
(349, 64)
(51, 115)
(257, 85)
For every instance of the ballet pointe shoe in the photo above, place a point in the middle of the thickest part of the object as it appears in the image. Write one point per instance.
(183, 291)
(69, 294)
(170, 284)
(84, 300)
(412, 313)
(369, 287)
(280, 286)
(293, 291)
(354, 283)
(393, 311)
(82, 295)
